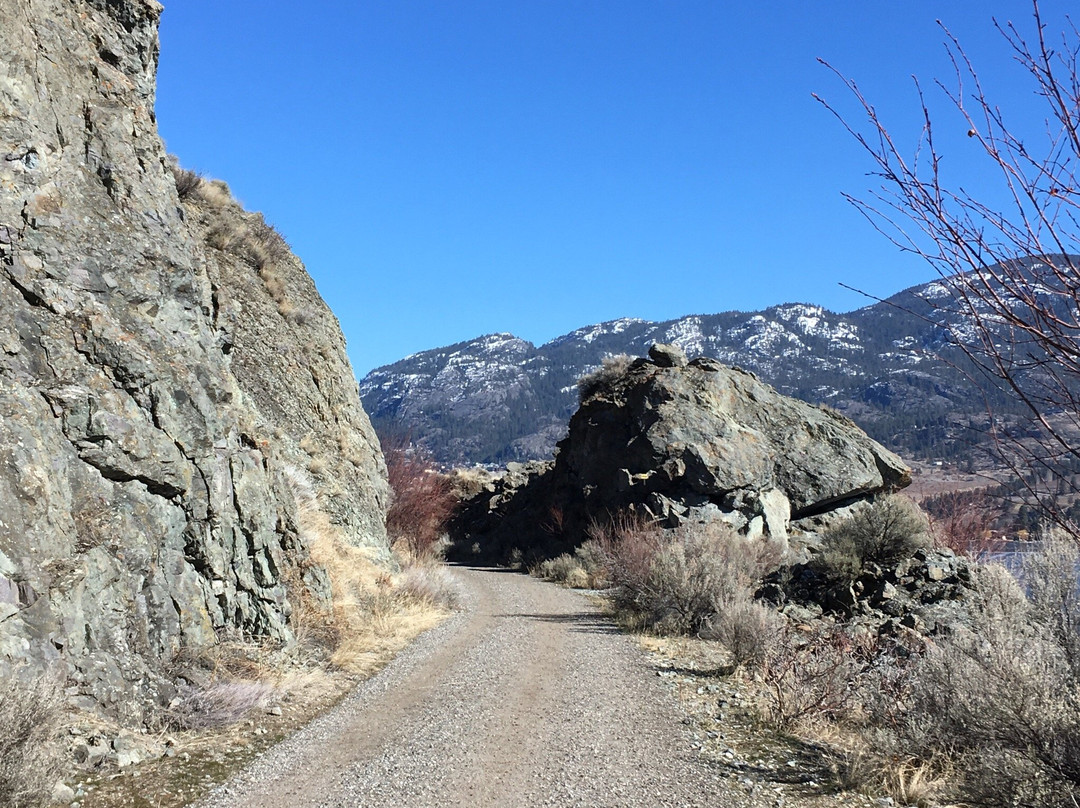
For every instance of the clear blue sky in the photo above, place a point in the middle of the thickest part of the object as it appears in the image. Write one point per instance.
(450, 169)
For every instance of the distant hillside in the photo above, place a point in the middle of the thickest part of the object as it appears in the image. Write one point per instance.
(889, 366)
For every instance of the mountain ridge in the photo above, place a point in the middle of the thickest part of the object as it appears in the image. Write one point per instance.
(499, 398)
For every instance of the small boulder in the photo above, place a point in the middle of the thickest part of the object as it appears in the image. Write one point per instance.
(666, 355)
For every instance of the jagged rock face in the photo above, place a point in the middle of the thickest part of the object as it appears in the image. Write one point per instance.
(682, 443)
(151, 407)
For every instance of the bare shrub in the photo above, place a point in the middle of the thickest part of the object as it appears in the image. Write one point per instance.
(884, 532)
(748, 629)
(627, 545)
(422, 499)
(1005, 252)
(432, 585)
(678, 581)
(218, 704)
(963, 521)
(809, 676)
(611, 369)
(30, 756)
(187, 182)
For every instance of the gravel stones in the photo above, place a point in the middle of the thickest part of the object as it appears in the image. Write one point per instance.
(529, 699)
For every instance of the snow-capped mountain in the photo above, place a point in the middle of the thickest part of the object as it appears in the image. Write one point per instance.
(499, 398)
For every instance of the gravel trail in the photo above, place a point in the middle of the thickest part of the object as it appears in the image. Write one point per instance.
(526, 698)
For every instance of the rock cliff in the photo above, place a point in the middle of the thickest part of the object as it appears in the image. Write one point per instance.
(168, 373)
(683, 442)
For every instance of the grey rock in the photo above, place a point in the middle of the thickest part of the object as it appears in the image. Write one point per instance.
(937, 571)
(130, 757)
(63, 794)
(666, 355)
(165, 410)
(886, 592)
(693, 443)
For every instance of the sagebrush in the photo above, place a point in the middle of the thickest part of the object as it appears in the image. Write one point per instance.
(987, 714)
(30, 754)
(1002, 696)
(679, 581)
(884, 532)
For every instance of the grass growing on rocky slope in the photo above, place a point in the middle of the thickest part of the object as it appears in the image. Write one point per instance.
(374, 612)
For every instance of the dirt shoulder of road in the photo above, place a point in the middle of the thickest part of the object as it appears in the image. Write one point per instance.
(728, 733)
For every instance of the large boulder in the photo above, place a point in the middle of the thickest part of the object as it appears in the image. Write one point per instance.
(161, 407)
(684, 442)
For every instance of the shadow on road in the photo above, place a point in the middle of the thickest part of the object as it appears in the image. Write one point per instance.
(586, 622)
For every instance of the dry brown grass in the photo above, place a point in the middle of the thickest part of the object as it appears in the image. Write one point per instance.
(226, 235)
(245, 236)
(219, 703)
(375, 613)
(907, 779)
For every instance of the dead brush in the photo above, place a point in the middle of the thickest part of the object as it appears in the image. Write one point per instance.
(678, 581)
(218, 703)
(422, 501)
(220, 684)
(187, 182)
(808, 677)
(612, 369)
(372, 614)
(31, 759)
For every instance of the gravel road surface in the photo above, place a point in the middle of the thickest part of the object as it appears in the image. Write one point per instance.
(528, 697)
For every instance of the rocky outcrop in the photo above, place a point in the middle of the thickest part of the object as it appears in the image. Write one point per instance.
(927, 593)
(164, 387)
(684, 442)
